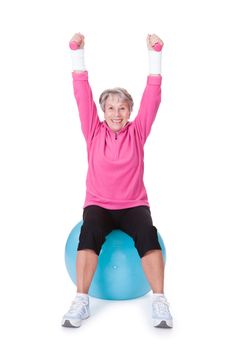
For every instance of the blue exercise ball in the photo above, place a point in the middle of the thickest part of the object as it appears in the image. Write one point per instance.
(119, 274)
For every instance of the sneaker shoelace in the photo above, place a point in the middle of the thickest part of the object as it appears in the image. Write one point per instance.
(78, 307)
(160, 307)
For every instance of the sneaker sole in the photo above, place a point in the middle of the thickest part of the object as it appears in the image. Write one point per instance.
(68, 324)
(72, 324)
(163, 324)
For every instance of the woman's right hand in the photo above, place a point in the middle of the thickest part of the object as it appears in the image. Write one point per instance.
(152, 40)
(79, 39)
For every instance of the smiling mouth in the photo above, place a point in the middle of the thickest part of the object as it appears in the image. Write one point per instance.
(116, 121)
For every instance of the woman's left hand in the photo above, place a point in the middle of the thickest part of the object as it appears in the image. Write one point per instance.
(152, 40)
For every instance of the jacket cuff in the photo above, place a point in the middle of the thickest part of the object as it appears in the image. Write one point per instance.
(154, 79)
(80, 76)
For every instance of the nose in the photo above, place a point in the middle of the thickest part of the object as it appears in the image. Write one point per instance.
(117, 113)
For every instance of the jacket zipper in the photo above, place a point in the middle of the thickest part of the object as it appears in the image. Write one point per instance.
(116, 146)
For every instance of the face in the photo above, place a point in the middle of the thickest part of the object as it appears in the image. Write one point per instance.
(116, 113)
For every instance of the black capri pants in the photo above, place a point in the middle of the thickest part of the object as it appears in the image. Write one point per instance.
(98, 222)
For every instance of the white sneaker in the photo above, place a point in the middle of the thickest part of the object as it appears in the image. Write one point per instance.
(161, 316)
(79, 310)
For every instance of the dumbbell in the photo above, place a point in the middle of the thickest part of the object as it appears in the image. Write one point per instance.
(74, 45)
(158, 47)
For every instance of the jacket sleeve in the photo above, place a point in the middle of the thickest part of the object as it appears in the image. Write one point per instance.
(149, 106)
(86, 105)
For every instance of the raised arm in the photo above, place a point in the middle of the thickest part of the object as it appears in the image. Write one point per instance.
(152, 94)
(154, 45)
(82, 90)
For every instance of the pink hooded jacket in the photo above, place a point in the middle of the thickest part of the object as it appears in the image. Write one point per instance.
(116, 160)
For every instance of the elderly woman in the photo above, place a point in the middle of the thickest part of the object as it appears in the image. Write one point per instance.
(116, 197)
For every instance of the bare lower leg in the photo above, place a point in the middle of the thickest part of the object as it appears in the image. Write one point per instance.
(153, 266)
(86, 263)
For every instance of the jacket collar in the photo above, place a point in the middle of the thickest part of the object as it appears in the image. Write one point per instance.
(118, 132)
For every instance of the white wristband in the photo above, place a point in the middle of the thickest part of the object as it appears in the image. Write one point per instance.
(154, 61)
(77, 58)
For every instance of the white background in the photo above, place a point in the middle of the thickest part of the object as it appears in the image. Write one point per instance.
(188, 167)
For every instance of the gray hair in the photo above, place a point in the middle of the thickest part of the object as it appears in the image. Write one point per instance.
(120, 92)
